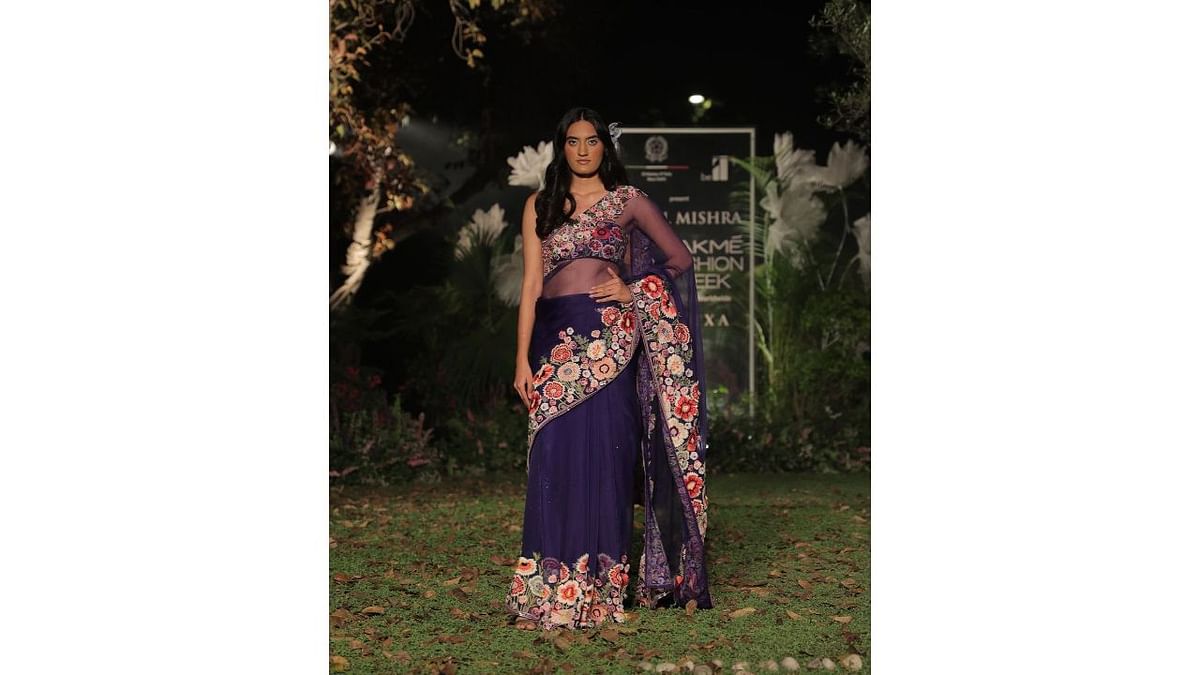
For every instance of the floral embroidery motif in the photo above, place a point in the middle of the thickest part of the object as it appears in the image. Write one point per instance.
(669, 349)
(553, 594)
(579, 365)
(592, 234)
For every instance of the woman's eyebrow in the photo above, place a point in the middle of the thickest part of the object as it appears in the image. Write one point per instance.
(588, 138)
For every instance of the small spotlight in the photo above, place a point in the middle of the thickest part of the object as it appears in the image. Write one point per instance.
(696, 99)
(332, 148)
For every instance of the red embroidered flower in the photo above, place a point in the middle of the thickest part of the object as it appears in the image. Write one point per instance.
(561, 353)
(553, 390)
(610, 315)
(582, 564)
(654, 312)
(682, 336)
(628, 321)
(617, 576)
(668, 307)
(685, 407)
(535, 399)
(694, 483)
(652, 286)
(691, 446)
(697, 506)
(604, 369)
(543, 374)
(518, 586)
(568, 592)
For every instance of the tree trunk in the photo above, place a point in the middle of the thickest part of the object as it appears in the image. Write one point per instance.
(358, 255)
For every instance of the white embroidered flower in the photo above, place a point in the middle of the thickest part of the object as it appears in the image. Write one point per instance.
(678, 429)
(596, 349)
(675, 364)
(529, 165)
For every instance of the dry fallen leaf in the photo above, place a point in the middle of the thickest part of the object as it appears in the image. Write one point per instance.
(429, 594)
(355, 643)
(841, 619)
(806, 585)
(774, 574)
(612, 635)
(852, 662)
(341, 578)
(452, 582)
(849, 583)
(690, 609)
(526, 624)
(339, 664)
(562, 643)
(794, 615)
(373, 609)
(739, 613)
(459, 593)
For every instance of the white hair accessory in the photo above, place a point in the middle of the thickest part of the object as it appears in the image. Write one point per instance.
(614, 130)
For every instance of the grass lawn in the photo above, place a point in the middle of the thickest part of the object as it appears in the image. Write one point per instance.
(418, 575)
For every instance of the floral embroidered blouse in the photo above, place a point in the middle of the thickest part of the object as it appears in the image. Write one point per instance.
(576, 253)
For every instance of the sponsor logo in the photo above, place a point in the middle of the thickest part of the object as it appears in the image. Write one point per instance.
(720, 170)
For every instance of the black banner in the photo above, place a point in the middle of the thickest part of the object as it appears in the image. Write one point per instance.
(709, 201)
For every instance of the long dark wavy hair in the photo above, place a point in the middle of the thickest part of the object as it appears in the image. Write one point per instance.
(551, 203)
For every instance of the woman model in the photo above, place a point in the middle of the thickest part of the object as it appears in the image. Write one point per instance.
(609, 363)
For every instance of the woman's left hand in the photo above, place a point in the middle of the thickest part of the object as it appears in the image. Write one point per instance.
(613, 289)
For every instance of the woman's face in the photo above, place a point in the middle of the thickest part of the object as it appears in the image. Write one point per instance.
(583, 149)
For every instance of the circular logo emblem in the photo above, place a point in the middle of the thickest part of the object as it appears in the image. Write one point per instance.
(656, 149)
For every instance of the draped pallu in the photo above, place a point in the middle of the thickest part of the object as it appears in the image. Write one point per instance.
(619, 394)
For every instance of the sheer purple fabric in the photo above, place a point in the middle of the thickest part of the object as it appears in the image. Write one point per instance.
(674, 537)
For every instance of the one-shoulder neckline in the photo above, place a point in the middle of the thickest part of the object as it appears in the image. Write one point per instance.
(606, 195)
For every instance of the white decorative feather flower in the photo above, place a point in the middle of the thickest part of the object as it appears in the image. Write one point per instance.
(483, 229)
(845, 165)
(529, 166)
(508, 274)
(862, 232)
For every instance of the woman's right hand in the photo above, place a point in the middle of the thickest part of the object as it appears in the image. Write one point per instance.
(523, 381)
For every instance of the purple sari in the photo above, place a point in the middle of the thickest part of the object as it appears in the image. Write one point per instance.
(619, 392)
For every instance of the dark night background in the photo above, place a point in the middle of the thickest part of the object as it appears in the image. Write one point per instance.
(634, 62)
(637, 62)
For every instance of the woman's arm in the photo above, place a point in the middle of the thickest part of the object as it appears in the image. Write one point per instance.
(531, 288)
(649, 218)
